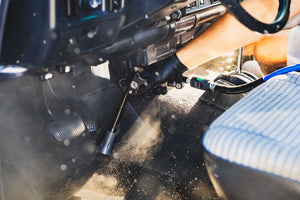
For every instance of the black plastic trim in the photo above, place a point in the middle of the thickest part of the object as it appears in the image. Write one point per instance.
(3, 12)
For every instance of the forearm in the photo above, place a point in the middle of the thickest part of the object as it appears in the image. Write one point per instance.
(227, 34)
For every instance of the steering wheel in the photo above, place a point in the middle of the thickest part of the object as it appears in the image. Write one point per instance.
(245, 18)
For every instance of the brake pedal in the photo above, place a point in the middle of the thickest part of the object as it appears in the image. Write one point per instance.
(66, 128)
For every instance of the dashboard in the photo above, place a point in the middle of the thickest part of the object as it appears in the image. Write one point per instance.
(198, 5)
(55, 32)
(94, 8)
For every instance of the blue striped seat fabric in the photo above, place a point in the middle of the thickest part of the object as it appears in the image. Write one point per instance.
(262, 130)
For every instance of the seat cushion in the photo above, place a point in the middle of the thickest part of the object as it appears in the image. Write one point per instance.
(262, 130)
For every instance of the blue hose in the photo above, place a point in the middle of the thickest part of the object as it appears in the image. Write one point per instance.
(283, 71)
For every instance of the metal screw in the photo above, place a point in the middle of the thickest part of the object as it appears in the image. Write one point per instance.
(46, 76)
(178, 86)
(134, 85)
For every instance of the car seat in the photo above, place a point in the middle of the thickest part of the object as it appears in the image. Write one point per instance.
(252, 151)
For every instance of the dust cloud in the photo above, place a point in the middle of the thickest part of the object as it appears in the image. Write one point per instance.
(105, 184)
(141, 142)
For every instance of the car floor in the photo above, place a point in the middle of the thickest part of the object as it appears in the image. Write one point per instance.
(161, 155)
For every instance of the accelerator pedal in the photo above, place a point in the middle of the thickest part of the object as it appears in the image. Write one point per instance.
(97, 108)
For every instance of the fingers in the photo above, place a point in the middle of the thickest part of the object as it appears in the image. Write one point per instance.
(152, 78)
(148, 86)
(155, 79)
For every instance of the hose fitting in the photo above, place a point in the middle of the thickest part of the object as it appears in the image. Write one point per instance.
(200, 83)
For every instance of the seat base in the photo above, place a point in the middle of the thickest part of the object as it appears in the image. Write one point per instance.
(233, 181)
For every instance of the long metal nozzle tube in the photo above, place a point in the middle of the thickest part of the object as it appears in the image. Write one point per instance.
(119, 112)
(107, 143)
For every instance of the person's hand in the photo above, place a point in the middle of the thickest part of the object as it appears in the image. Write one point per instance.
(161, 72)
